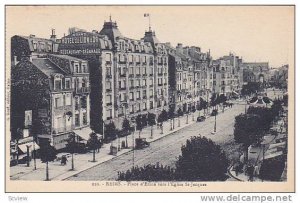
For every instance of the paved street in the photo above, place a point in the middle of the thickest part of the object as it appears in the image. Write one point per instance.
(166, 149)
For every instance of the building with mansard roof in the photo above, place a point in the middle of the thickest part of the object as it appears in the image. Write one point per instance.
(56, 90)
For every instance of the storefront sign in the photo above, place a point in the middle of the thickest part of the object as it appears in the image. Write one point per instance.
(80, 51)
(28, 118)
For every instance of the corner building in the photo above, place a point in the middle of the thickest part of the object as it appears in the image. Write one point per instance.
(128, 77)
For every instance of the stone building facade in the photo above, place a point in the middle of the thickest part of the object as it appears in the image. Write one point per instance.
(48, 87)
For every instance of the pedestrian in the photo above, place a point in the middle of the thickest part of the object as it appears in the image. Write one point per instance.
(64, 160)
(250, 171)
(256, 171)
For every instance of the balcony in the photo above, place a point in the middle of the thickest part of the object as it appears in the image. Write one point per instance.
(139, 98)
(108, 103)
(107, 63)
(122, 75)
(144, 97)
(145, 75)
(131, 87)
(151, 74)
(131, 75)
(82, 90)
(160, 85)
(160, 74)
(122, 88)
(108, 90)
(108, 76)
(150, 85)
(138, 75)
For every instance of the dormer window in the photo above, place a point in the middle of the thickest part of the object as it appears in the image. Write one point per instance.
(35, 46)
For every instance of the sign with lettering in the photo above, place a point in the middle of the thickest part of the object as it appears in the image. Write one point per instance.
(42, 113)
(80, 51)
(28, 118)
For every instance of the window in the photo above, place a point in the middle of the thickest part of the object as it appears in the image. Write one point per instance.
(131, 70)
(77, 120)
(84, 118)
(138, 95)
(130, 58)
(84, 69)
(131, 108)
(57, 84)
(83, 102)
(144, 93)
(108, 85)
(35, 46)
(108, 99)
(76, 68)
(57, 102)
(138, 107)
(144, 82)
(68, 100)
(68, 84)
(76, 103)
(131, 96)
(109, 113)
(137, 58)
(151, 104)
(151, 81)
(107, 57)
(131, 83)
(151, 93)
(145, 106)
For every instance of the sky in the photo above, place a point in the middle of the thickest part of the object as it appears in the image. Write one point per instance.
(256, 33)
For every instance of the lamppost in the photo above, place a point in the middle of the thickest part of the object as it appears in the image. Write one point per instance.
(27, 147)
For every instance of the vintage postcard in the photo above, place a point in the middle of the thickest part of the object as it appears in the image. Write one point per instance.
(150, 98)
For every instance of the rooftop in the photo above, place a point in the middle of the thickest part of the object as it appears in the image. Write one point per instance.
(46, 66)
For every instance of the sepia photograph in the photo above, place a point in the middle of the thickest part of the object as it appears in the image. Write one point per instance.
(149, 98)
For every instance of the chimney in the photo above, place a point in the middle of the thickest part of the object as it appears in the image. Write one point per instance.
(179, 48)
(31, 35)
(15, 60)
(53, 36)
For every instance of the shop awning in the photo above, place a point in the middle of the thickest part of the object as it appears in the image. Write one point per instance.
(84, 133)
(234, 92)
(23, 147)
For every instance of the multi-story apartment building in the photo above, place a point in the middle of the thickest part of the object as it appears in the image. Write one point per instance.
(188, 76)
(49, 88)
(128, 76)
(226, 75)
(25, 46)
(96, 49)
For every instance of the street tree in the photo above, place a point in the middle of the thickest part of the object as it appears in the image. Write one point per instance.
(248, 130)
(47, 154)
(110, 131)
(139, 124)
(201, 160)
(126, 128)
(151, 121)
(93, 144)
(71, 147)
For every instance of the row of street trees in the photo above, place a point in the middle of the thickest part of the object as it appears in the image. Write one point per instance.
(200, 160)
(250, 128)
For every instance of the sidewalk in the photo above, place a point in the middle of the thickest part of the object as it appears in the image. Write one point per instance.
(83, 162)
(256, 154)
